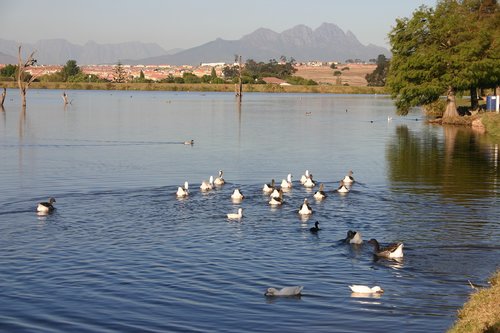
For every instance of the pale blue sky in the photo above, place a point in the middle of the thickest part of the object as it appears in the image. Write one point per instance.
(188, 23)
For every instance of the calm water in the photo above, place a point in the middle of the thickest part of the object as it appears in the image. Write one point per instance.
(122, 254)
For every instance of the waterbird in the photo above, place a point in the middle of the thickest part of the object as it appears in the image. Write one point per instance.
(354, 237)
(349, 179)
(207, 186)
(219, 180)
(237, 195)
(304, 177)
(286, 291)
(342, 188)
(309, 183)
(276, 199)
(287, 183)
(394, 250)
(190, 142)
(316, 228)
(320, 194)
(46, 207)
(268, 188)
(360, 289)
(305, 209)
(183, 192)
(236, 216)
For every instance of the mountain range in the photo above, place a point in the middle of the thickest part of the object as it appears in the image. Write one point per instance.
(326, 43)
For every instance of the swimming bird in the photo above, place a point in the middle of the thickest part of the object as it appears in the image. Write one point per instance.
(354, 237)
(46, 207)
(348, 179)
(286, 291)
(219, 180)
(342, 188)
(316, 228)
(320, 194)
(304, 177)
(237, 195)
(287, 183)
(183, 192)
(268, 188)
(236, 216)
(305, 209)
(276, 198)
(207, 186)
(309, 183)
(190, 142)
(360, 289)
(394, 250)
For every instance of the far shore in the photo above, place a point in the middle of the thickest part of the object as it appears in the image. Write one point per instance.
(203, 87)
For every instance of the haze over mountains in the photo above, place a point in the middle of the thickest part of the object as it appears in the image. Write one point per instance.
(326, 43)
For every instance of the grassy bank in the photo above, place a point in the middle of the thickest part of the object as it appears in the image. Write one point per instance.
(481, 313)
(203, 87)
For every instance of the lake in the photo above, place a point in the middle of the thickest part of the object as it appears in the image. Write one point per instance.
(122, 254)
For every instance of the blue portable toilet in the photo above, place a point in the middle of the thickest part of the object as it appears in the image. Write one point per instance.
(492, 103)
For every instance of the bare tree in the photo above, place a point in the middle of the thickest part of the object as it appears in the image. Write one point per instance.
(22, 80)
(2, 98)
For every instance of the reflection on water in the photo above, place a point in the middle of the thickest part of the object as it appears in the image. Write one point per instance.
(142, 260)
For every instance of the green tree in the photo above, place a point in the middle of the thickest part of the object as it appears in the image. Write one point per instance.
(70, 69)
(378, 77)
(452, 48)
(8, 71)
(119, 73)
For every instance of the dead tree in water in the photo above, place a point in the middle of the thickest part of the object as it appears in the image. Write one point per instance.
(238, 88)
(22, 80)
(2, 98)
(65, 98)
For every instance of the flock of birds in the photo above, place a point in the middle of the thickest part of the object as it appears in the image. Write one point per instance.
(391, 251)
(275, 193)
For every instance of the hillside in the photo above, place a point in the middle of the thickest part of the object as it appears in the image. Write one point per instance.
(354, 76)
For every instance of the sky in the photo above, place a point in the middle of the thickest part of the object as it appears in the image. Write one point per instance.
(174, 24)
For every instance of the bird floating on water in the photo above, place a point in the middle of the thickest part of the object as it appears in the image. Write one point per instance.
(349, 179)
(305, 208)
(237, 195)
(287, 183)
(316, 228)
(360, 289)
(190, 142)
(183, 192)
(394, 250)
(342, 188)
(320, 194)
(286, 291)
(304, 177)
(207, 186)
(219, 180)
(46, 207)
(354, 237)
(268, 188)
(236, 216)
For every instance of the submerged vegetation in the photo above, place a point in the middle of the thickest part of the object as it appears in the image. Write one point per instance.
(481, 313)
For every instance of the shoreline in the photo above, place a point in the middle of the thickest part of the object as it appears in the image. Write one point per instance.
(202, 87)
(481, 312)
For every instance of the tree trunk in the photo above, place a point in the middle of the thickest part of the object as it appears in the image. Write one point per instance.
(473, 99)
(2, 98)
(451, 108)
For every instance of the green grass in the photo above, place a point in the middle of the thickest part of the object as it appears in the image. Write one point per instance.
(481, 313)
(491, 121)
(202, 87)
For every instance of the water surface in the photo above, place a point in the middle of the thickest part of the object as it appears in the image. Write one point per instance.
(122, 254)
